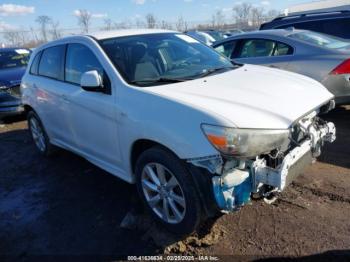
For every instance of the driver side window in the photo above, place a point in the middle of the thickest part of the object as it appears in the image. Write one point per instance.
(80, 59)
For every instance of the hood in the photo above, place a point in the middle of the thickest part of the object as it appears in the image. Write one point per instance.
(11, 76)
(251, 96)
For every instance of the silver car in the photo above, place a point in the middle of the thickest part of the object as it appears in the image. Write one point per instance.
(322, 57)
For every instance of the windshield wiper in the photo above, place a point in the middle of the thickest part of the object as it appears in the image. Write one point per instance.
(212, 71)
(158, 80)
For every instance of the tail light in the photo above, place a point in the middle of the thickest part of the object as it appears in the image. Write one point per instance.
(343, 68)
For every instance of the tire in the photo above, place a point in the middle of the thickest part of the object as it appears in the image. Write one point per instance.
(39, 135)
(177, 207)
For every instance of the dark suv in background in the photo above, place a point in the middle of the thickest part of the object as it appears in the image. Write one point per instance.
(13, 63)
(335, 23)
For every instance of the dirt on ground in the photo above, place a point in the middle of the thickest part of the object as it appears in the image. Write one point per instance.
(65, 206)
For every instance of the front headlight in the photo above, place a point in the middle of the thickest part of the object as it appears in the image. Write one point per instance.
(244, 142)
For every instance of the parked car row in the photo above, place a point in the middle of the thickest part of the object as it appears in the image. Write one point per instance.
(198, 129)
(208, 37)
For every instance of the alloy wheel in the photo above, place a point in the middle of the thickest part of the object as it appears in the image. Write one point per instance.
(37, 134)
(163, 193)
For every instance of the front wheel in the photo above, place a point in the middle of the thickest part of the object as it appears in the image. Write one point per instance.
(167, 191)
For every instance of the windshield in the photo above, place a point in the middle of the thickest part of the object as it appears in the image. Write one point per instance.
(155, 59)
(321, 40)
(15, 58)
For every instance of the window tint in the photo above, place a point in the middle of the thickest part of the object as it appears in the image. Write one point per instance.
(337, 27)
(35, 65)
(80, 59)
(321, 40)
(51, 62)
(226, 48)
(263, 47)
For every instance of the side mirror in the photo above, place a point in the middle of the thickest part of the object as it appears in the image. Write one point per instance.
(91, 81)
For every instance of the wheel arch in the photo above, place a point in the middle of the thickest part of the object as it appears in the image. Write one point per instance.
(141, 145)
(28, 108)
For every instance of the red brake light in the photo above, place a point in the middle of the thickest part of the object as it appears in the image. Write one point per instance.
(343, 68)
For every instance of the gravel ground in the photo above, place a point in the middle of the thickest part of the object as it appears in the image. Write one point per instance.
(66, 206)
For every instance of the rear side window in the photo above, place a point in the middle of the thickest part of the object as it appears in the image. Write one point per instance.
(337, 27)
(80, 59)
(51, 62)
(226, 49)
(263, 48)
(35, 65)
(321, 40)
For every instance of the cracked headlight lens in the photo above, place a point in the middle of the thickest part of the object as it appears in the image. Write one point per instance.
(245, 143)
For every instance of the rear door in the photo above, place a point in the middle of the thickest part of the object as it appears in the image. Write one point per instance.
(261, 51)
(50, 91)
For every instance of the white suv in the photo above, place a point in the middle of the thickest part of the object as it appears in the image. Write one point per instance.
(196, 133)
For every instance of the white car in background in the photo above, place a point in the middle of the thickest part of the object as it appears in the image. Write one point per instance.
(197, 134)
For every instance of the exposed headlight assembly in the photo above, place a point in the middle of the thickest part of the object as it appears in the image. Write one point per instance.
(244, 143)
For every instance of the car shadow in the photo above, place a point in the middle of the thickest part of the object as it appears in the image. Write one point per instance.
(12, 119)
(336, 152)
(63, 205)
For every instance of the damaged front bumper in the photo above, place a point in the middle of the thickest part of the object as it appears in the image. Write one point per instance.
(234, 180)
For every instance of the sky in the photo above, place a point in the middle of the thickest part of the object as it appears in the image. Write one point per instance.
(21, 14)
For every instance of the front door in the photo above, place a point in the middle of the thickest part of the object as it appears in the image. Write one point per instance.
(92, 115)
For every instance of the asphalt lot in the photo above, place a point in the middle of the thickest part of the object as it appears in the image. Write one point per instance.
(66, 206)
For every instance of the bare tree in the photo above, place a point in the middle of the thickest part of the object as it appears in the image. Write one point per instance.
(218, 19)
(34, 35)
(151, 21)
(241, 14)
(55, 32)
(13, 37)
(108, 24)
(43, 21)
(257, 16)
(140, 23)
(84, 20)
(165, 25)
(181, 25)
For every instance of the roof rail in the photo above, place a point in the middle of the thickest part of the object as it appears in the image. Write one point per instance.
(308, 13)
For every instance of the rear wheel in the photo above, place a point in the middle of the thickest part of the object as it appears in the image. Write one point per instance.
(167, 191)
(39, 136)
